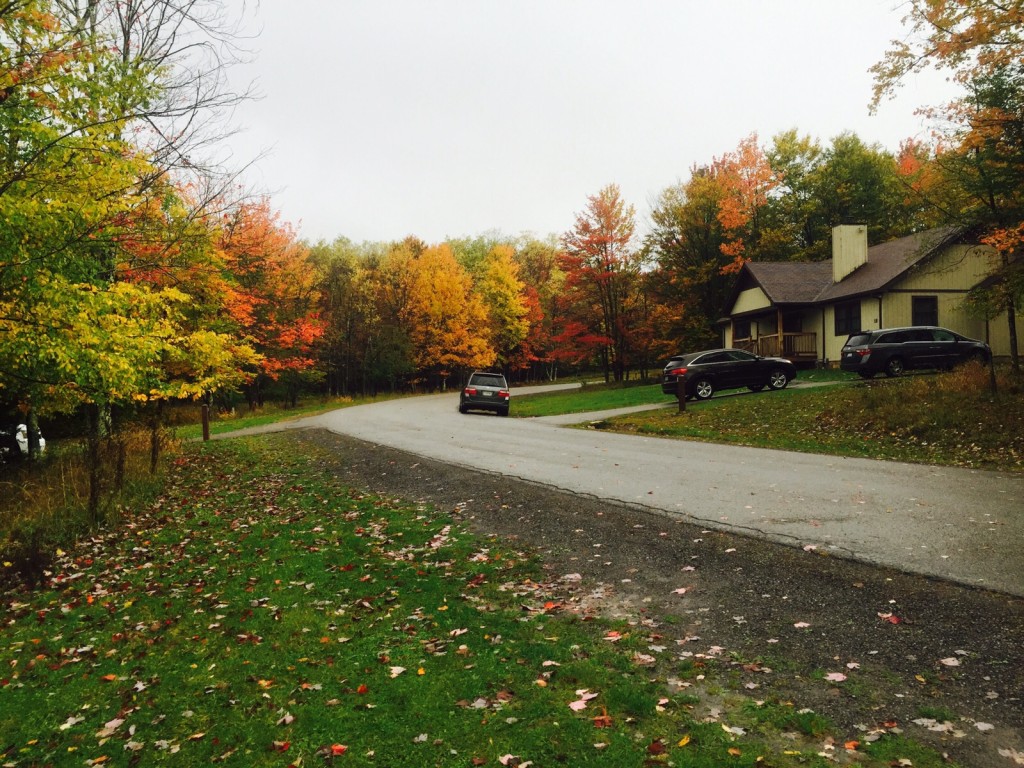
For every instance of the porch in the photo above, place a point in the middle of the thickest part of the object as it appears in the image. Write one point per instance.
(798, 347)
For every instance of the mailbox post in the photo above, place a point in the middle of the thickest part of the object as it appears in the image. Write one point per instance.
(681, 393)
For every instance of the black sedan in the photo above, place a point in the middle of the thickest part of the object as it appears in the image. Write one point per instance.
(707, 372)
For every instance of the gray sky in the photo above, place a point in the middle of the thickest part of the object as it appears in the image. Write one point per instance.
(437, 118)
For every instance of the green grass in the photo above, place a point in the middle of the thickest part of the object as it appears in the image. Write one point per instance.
(946, 419)
(589, 397)
(259, 613)
(268, 414)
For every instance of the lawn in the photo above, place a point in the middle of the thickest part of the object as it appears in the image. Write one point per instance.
(259, 613)
(947, 419)
(190, 427)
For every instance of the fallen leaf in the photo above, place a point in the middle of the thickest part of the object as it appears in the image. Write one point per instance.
(835, 677)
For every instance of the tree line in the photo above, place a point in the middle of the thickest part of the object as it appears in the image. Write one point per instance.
(135, 272)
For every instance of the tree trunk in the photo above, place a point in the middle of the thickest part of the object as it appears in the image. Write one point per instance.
(155, 425)
(93, 458)
(1011, 319)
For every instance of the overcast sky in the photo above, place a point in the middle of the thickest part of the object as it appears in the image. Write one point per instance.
(457, 118)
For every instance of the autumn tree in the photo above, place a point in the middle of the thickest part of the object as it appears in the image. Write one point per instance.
(685, 242)
(601, 267)
(447, 322)
(981, 42)
(502, 293)
(543, 282)
(270, 295)
(970, 38)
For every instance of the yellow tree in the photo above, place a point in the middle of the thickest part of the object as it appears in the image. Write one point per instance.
(447, 322)
(503, 294)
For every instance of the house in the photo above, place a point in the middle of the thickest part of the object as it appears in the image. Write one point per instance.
(805, 311)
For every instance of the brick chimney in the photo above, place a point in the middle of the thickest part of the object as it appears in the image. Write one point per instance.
(849, 249)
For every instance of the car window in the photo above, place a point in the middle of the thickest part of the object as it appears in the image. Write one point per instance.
(858, 339)
(739, 354)
(483, 380)
(920, 334)
(896, 337)
(941, 334)
(717, 357)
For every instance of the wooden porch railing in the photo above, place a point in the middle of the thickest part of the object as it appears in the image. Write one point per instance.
(794, 346)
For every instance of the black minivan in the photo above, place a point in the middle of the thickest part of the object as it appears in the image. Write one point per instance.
(894, 350)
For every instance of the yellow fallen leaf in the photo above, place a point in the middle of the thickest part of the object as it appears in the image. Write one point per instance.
(684, 741)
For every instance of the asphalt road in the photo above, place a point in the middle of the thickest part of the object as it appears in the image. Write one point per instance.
(961, 525)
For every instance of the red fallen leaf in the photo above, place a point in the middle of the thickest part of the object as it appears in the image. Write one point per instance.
(363, 688)
(281, 746)
(603, 720)
(338, 749)
(851, 744)
(109, 678)
(656, 747)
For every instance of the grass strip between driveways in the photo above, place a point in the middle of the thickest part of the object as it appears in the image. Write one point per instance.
(947, 419)
(259, 613)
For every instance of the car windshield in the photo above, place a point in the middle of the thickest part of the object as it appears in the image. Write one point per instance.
(483, 380)
(858, 340)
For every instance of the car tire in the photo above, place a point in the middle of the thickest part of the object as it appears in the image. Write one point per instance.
(503, 412)
(778, 379)
(462, 408)
(703, 389)
(755, 387)
(894, 367)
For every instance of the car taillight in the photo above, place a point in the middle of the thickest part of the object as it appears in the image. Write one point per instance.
(471, 391)
(677, 372)
(503, 393)
(863, 352)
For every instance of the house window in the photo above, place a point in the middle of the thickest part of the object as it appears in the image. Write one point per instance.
(847, 317)
(924, 310)
(741, 329)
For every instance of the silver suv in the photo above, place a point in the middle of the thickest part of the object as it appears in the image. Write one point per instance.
(485, 391)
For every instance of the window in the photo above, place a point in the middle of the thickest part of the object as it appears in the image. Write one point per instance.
(741, 329)
(847, 317)
(924, 310)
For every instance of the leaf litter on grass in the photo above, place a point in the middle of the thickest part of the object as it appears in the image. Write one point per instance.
(258, 613)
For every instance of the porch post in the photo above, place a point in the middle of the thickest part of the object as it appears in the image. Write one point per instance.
(782, 337)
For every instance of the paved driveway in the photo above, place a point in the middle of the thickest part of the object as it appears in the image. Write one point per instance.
(957, 524)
